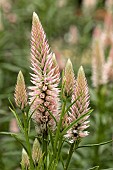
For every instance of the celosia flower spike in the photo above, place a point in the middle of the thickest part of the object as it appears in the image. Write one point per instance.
(20, 92)
(45, 79)
(69, 79)
(99, 77)
(36, 152)
(79, 108)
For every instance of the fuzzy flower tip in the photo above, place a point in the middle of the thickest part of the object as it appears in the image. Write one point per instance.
(20, 95)
(68, 79)
(99, 76)
(79, 108)
(25, 160)
(36, 152)
(45, 78)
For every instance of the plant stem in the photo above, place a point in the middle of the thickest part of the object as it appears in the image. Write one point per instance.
(45, 135)
(27, 141)
(69, 156)
(29, 151)
(59, 126)
(73, 147)
(55, 153)
(100, 130)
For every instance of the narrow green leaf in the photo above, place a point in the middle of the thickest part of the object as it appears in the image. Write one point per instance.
(29, 109)
(75, 122)
(72, 104)
(32, 113)
(16, 136)
(18, 120)
(51, 114)
(51, 139)
(11, 103)
(63, 84)
(18, 140)
(62, 161)
(96, 144)
(59, 126)
(7, 133)
(33, 101)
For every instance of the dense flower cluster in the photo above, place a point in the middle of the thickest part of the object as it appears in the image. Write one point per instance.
(79, 108)
(44, 93)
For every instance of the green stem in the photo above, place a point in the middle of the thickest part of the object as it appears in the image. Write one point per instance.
(69, 156)
(59, 126)
(100, 130)
(27, 141)
(73, 147)
(55, 154)
(22, 168)
(45, 135)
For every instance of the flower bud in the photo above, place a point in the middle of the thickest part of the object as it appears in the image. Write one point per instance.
(36, 151)
(25, 159)
(68, 79)
(20, 92)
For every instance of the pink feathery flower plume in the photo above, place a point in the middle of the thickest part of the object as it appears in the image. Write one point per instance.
(80, 107)
(45, 78)
(99, 76)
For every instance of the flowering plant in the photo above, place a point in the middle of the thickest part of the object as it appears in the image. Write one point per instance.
(60, 115)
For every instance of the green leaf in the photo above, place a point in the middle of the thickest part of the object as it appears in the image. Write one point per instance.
(30, 115)
(7, 133)
(75, 122)
(16, 116)
(62, 161)
(59, 126)
(96, 144)
(51, 139)
(63, 84)
(72, 104)
(19, 141)
(16, 136)
(18, 120)
(51, 114)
